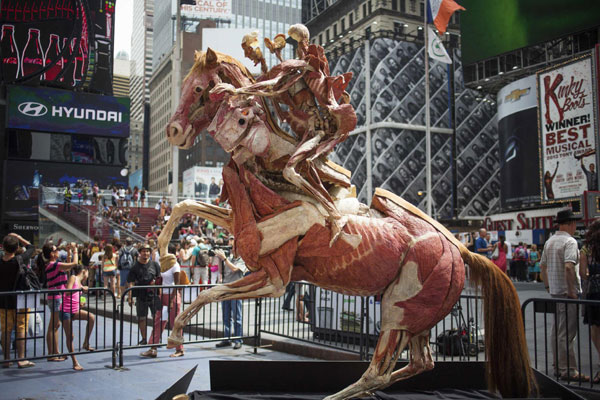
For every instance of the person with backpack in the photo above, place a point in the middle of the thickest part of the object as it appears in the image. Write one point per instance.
(127, 256)
(10, 318)
(199, 264)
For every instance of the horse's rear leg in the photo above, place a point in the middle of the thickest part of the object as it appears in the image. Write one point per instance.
(420, 360)
(257, 284)
(391, 343)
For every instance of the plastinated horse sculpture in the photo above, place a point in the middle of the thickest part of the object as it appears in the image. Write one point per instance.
(295, 216)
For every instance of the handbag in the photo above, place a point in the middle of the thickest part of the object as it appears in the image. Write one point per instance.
(495, 254)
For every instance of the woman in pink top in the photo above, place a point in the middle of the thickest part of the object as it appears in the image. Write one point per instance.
(56, 278)
(500, 260)
(71, 310)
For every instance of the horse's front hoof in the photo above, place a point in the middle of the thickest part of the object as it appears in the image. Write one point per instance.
(174, 341)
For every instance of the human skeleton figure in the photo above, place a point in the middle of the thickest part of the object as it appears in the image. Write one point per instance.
(284, 231)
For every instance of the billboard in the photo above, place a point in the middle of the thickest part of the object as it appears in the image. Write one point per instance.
(567, 128)
(490, 28)
(519, 149)
(62, 43)
(202, 183)
(398, 155)
(204, 9)
(53, 110)
(21, 190)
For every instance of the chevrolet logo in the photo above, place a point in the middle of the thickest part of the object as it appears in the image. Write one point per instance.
(516, 94)
(32, 109)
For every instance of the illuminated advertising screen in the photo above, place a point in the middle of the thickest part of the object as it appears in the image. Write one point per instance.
(60, 43)
(490, 28)
(52, 110)
(21, 190)
(567, 128)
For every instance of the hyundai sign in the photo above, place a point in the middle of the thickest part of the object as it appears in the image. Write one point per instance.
(51, 110)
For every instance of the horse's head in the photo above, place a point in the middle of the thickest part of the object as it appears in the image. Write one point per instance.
(196, 110)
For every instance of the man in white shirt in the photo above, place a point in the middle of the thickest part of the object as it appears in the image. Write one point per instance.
(559, 264)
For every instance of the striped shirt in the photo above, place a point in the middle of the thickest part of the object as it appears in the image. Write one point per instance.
(558, 250)
(56, 279)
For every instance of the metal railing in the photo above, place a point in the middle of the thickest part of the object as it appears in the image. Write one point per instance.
(206, 326)
(33, 308)
(555, 329)
(310, 314)
(306, 313)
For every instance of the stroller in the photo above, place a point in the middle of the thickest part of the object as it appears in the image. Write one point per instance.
(466, 340)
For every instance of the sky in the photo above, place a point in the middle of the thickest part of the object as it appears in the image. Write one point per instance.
(123, 21)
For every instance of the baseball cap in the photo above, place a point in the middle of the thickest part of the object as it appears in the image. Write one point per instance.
(145, 246)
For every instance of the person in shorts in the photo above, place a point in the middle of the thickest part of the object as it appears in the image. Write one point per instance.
(144, 272)
(10, 317)
(56, 278)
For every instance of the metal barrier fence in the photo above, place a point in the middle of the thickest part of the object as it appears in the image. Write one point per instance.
(310, 314)
(28, 325)
(554, 326)
(305, 313)
(165, 303)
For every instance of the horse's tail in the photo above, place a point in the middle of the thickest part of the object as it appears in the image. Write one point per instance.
(508, 368)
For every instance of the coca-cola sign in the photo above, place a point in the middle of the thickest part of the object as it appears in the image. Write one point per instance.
(59, 43)
(54, 110)
(567, 130)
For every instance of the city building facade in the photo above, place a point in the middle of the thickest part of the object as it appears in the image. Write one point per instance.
(141, 71)
(269, 18)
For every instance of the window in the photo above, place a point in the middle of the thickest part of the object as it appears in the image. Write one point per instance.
(335, 30)
(343, 24)
(364, 10)
(395, 5)
(370, 8)
(351, 19)
(403, 6)
(368, 33)
(422, 9)
(398, 28)
(327, 35)
(413, 6)
(320, 38)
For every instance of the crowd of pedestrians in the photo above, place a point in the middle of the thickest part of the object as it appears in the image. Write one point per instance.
(521, 261)
(205, 254)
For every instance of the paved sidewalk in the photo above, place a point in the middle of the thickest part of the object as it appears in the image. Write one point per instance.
(142, 379)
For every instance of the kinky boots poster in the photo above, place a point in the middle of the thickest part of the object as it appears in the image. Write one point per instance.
(567, 130)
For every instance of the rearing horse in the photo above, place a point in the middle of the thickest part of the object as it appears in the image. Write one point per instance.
(390, 248)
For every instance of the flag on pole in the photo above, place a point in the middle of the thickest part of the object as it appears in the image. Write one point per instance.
(436, 49)
(440, 11)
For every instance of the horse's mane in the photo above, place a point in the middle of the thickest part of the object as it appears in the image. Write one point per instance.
(200, 64)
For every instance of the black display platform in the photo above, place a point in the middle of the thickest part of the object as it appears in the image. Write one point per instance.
(316, 379)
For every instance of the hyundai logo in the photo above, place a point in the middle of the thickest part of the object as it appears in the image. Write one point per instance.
(32, 109)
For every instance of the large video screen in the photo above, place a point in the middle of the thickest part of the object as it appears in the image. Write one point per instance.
(21, 196)
(491, 27)
(61, 43)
